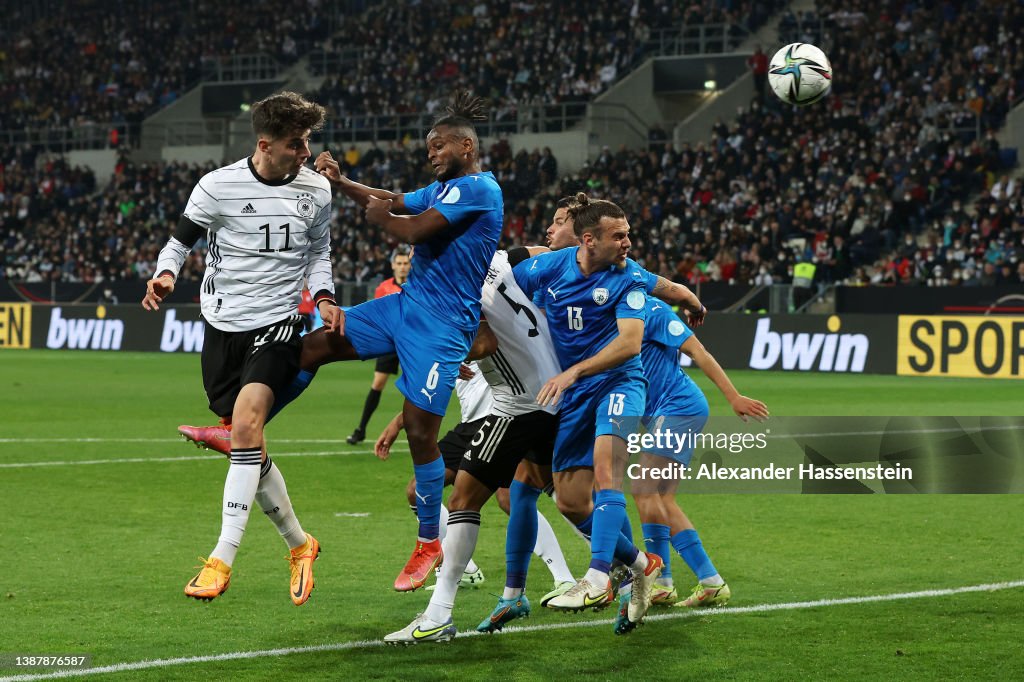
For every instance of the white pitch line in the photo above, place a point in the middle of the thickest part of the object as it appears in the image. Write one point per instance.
(510, 630)
(182, 458)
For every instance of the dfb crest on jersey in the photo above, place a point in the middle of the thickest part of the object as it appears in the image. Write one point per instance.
(600, 295)
(306, 207)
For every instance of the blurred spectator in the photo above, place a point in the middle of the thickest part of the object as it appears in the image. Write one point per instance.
(758, 64)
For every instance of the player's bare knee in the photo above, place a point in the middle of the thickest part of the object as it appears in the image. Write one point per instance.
(531, 474)
(647, 504)
(422, 443)
(464, 500)
(574, 508)
(246, 430)
(502, 496)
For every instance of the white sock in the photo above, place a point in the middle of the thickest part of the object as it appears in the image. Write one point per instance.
(598, 579)
(471, 567)
(640, 564)
(713, 581)
(239, 490)
(462, 535)
(511, 593)
(550, 552)
(272, 496)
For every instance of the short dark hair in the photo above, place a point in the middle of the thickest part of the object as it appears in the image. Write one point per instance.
(283, 114)
(587, 214)
(566, 202)
(401, 250)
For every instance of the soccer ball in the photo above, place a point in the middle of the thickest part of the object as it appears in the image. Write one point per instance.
(800, 74)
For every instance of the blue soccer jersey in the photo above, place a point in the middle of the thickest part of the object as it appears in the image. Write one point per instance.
(674, 401)
(664, 333)
(649, 279)
(448, 270)
(582, 311)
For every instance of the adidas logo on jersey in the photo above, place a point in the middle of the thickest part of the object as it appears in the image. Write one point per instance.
(248, 210)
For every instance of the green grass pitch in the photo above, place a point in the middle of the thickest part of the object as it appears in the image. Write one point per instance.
(95, 556)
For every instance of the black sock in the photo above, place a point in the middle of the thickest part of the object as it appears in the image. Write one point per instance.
(372, 401)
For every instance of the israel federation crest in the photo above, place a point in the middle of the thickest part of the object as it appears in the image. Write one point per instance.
(600, 295)
(305, 207)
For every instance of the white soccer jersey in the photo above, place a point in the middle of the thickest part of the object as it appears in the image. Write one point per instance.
(266, 239)
(526, 357)
(475, 398)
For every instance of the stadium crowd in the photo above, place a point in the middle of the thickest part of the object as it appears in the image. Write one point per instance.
(136, 58)
(883, 183)
(528, 58)
(143, 56)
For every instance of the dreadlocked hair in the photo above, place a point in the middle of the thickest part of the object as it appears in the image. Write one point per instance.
(463, 111)
(587, 214)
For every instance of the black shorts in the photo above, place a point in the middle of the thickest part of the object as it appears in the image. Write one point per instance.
(387, 364)
(268, 355)
(456, 443)
(502, 442)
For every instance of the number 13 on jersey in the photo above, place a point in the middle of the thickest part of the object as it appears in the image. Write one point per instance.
(575, 318)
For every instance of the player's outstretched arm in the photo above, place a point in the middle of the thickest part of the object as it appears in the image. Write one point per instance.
(170, 260)
(679, 294)
(485, 343)
(411, 229)
(387, 437)
(157, 289)
(742, 405)
(328, 167)
(623, 347)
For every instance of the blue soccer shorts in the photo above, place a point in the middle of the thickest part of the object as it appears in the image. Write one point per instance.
(677, 418)
(605, 406)
(429, 350)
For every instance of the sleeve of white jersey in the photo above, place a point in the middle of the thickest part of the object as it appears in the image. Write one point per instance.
(319, 276)
(172, 257)
(202, 208)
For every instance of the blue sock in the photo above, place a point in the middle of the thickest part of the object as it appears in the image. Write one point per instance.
(521, 534)
(609, 508)
(586, 526)
(656, 539)
(627, 528)
(294, 390)
(625, 550)
(689, 546)
(429, 489)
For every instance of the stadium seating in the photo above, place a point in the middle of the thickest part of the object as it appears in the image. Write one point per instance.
(539, 63)
(875, 185)
(132, 61)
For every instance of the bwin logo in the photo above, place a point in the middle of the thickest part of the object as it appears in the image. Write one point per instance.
(95, 334)
(830, 352)
(181, 335)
